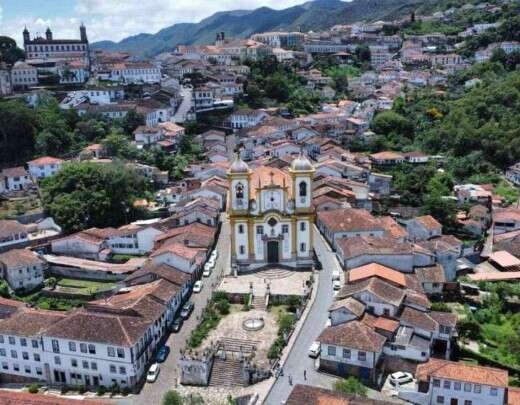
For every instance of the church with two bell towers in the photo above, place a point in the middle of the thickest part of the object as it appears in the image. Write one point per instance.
(271, 215)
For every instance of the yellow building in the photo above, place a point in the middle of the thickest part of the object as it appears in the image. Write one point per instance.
(271, 215)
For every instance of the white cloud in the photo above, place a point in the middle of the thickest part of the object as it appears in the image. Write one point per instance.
(116, 19)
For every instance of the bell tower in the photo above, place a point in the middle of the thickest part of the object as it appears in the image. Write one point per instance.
(302, 174)
(239, 176)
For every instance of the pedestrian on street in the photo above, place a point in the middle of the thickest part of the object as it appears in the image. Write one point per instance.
(290, 379)
(305, 374)
(281, 371)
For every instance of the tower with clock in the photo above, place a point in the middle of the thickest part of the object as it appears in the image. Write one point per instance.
(271, 214)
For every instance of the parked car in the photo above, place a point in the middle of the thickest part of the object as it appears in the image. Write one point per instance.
(400, 377)
(314, 350)
(209, 266)
(336, 285)
(197, 287)
(177, 324)
(186, 310)
(153, 373)
(206, 272)
(214, 255)
(162, 353)
(336, 275)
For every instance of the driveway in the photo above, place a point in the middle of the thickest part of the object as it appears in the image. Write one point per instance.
(152, 394)
(298, 359)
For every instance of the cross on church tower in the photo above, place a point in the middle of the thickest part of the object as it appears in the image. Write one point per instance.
(271, 173)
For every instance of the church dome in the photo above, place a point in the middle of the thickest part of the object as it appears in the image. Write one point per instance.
(301, 163)
(239, 166)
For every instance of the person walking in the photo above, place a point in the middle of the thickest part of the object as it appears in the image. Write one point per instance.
(305, 374)
(290, 379)
(281, 371)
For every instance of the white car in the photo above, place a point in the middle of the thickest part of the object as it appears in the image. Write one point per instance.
(211, 262)
(197, 287)
(336, 285)
(153, 373)
(214, 255)
(314, 350)
(206, 272)
(400, 377)
(209, 265)
(335, 275)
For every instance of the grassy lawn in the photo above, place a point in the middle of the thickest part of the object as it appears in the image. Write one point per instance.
(19, 206)
(509, 192)
(85, 284)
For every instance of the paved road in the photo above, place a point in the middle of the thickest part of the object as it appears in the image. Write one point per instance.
(152, 394)
(298, 359)
(186, 103)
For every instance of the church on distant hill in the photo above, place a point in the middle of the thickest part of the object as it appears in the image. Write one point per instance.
(271, 215)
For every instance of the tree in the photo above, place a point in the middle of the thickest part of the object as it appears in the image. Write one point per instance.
(131, 121)
(117, 144)
(18, 127)
(362, 53)
(390, 122)
(351, 386)
(172, 397)
(9, 52)
(84, 195)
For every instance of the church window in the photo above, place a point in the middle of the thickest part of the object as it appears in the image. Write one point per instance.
(242, 249)
(303, 248)
(260, 230)
(302, 226)
(285, 228)
(240, 191)
(240, 228)
(303, 189)
(272, 222)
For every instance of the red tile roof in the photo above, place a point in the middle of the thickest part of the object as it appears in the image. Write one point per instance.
(25, 398)
(376, 270)
(353, 334)
(349, 220)
(45, 160)
(459, 371)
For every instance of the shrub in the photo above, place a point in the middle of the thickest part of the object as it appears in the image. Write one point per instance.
(34, 388)
(351, 385)
(114, 390)
(223, 307)
(64, 389)
(101, 391)
(440, 306)
(125, 391)
(172, 397)
(221, 296)
(81, 389)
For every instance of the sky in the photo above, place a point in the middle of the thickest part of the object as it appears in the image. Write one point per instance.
(112, 19)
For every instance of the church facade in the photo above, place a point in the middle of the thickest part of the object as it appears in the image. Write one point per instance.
(271, 215)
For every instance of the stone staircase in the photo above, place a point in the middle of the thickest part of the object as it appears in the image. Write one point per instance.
(238, 345)
(259, 302)
(273, 274)
(226, 373)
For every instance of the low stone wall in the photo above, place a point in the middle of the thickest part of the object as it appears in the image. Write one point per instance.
(194, 371)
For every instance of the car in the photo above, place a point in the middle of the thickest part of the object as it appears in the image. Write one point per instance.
(336, 275)
(209, 265)
(162, 353)
(206, 272)
(214, 255)
(186, 310)
(400, 377)
(177, 325)
(336, 285)
(197, 287)
(314, 350)
(153, 373)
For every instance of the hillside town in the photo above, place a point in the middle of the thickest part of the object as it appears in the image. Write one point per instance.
(295, 217)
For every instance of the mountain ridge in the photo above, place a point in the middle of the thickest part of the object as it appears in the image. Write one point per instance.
(312, 15)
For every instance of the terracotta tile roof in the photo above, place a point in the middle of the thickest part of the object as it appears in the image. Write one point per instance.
(46, 160)
(441, 244)
(418, 318)
(386, 324)
(506, 215)
(504, 259)
(14, 172)
(178, 249)
(349, 220)
(93, 265)
(353, 334)
(460, 371)
(350, 303)
(307, 395)
(19, 257)
(25, 398)
(392, 228)
(496, 276)
(195, 235)
(376, 270)
(264, 176)
(444, 318)
(167, 272)
(380, 288)
(429, 222)
(30, 322)
(371, 245)
(431, 274)
(513, 396)
(386, 155)
(9, 227)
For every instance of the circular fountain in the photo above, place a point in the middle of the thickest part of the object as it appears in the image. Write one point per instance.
(253, 324)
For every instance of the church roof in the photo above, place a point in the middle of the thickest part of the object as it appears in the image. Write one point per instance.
(265, 176)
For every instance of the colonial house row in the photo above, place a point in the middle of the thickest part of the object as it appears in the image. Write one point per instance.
(380, 315)
(107, 342)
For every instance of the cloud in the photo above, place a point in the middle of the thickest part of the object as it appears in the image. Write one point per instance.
(116, 19)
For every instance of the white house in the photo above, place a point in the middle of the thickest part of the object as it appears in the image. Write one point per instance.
(448, 382)
(133, 239)
(423, 228)
(44, 167)
(246, 118)
(15, 178)
(22, 269)
(12, 233)
(180, 256)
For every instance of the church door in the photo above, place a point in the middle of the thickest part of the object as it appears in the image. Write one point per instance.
(272, 252)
